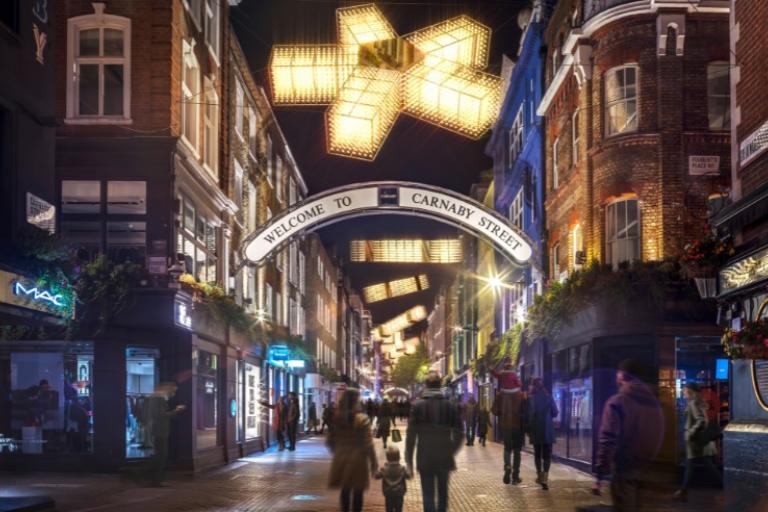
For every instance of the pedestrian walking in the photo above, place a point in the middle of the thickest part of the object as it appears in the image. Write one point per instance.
(278, 419)
(434, 431)
(483, 422)
(293, 414)
(312, 422)
(631, 432)
(384, 421)
(541, 430)
(354, 457)
(509, 407)
(328, 414)
(393, 476)
(470, 419)
(369, 409)
(700, 434)
(160, 417)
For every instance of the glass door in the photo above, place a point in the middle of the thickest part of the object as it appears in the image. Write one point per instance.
(141, 381)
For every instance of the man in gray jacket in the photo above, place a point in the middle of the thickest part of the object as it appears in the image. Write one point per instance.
(434, 430)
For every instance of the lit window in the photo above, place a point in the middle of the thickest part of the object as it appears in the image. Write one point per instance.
(575, 136)
(239, 108)
(516, 136)
(556, 261)
(622, 231)
(516, 210)
(621, 100)
(577, 238)
(212, 25)
(126, 240)
(98, 54)
(719, 95)
(129, 197)
(252, 130)
(211, 129)
(555, 170)
(190, 91)
(80, 196)
(252, 206)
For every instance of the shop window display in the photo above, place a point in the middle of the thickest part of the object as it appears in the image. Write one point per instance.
(206, 410)
(49, 397)
(141, 382)
(252, 398)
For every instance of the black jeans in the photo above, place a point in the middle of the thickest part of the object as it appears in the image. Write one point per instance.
(293, 427)
(393, 503)
(709, 465)
(625, 493)
(513, 442)
(281, 439)
(542, 457)
(428, 479)
(470, 433)
(355, 496)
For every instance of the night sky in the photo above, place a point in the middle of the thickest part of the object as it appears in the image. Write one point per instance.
(414, 151)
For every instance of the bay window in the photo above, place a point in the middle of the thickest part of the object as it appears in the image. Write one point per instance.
(98, 58)
(621, 100)
(197, 241)
(622, 231)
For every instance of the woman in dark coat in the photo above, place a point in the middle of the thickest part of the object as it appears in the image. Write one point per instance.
(541, 430)
(354, 458)
(384, 421)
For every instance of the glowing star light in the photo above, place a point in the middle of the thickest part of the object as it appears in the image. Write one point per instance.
(372, 75)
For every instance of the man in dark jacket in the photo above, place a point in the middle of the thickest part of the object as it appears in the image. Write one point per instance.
(631, 432)
(470, 419)
(292, 415)
(510, 409)
(434, 429)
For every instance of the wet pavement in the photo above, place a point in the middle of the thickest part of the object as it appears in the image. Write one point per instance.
(296, 481)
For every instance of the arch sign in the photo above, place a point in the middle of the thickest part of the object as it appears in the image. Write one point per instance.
(387, 198)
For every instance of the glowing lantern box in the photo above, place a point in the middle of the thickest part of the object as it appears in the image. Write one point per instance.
(451, 96)
(367, 107)
(372, 74)
(461, 40)
(310, 75)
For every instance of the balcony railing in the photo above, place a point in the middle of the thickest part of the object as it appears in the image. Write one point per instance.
(595, 7)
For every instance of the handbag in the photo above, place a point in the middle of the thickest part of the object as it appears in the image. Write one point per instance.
(709, 433)
(396, 437)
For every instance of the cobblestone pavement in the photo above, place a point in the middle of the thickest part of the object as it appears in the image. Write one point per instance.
(296, 481)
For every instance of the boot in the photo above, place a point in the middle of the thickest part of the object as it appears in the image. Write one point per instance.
(539, 475)
(681, 495)
(545, 480)
(507, 473)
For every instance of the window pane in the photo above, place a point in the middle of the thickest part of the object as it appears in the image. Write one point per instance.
(189, 216)
(633, 214)
(80, 196)
(614, 82)
(88, 90)
(200, 228)
(189, 256)
(126, 240)
(127, 197)
(113, 42)
(83, 236)
(89, 42)
(621, 219)
(200, 266)
(610, 222)
(210, 238)
(113, 89)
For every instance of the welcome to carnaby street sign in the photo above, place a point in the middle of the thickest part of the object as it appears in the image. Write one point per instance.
(386, 198)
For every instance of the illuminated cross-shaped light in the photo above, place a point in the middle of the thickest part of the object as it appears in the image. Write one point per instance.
(371, 75)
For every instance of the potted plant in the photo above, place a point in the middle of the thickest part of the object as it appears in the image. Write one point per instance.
(701, 259)
(750, 342)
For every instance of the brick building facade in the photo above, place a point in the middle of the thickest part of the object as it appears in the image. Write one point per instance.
(742, 280)
(637, 152)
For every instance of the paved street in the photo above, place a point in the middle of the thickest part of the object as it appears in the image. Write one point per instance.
(296, 481)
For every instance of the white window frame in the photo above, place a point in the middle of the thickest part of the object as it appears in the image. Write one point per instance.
(211, 129)
(516, 137)
(516, 212)
(212, 22)
(190, 96)
(555, 171)
(613, 242)
(575, 136)
(194, 7)
(710, 95)
(99, 21)
(622, 99)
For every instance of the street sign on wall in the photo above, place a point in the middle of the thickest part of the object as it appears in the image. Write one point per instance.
(390, 197)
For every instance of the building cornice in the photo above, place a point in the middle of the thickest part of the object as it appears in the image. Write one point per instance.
(628, 10)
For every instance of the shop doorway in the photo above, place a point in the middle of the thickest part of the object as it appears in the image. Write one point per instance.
(141, 381)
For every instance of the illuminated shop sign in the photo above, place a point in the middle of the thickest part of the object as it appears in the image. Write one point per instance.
(295, 363)
(744, 272)
(37, 294)
(182, 315)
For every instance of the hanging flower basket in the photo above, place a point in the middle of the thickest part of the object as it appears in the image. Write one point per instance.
(751, 342)
(701, 258)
